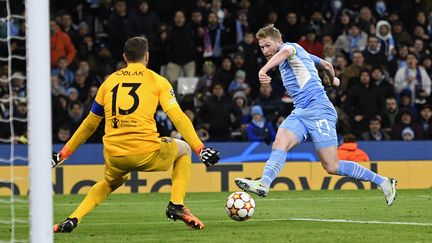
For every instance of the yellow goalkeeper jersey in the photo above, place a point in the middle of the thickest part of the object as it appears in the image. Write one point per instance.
(128, 99)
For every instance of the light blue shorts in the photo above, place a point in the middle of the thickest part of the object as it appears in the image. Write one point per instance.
(317, 120)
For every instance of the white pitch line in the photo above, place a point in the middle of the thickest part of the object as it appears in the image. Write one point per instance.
(147, 202)
(272, 220)
(356, 221)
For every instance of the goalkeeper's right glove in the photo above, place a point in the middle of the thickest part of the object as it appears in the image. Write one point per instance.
(209, 156)
(56, 160)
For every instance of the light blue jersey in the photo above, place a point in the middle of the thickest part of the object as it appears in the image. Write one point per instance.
(300, 77)
(314, 115)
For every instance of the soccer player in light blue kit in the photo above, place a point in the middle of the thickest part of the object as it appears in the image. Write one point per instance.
(314, 115)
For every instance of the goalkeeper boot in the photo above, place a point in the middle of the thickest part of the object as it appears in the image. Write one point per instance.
(178, 211)
(389, 189)
(252, 186)
(66, 226)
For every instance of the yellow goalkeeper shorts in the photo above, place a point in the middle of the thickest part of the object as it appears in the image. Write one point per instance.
(117, 167)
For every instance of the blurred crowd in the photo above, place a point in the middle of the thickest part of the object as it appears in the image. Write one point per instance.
(381, 51)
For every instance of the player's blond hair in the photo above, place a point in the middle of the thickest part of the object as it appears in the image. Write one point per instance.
(269, 31)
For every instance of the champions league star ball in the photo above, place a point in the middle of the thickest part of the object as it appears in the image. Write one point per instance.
(240, 206)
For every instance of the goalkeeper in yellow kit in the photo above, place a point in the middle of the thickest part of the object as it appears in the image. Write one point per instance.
(128, 100)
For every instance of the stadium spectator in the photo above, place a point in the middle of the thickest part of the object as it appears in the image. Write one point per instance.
(103, 13)
(269, 102)
(72, 94)
(405, 120)
(86, 51)
(159, 61)
(319, 24)
(419, 49)
(292, 30)
(197, 25)
(204, 86)
(60, 106)
(415, 79)
(117, 28)
(144, 22)
(91, 95)
(214, 38)
(19, 85)
(69, 27)
(240, 27)
(105, 61)
(351, 74)
(383, 32)
(349, 150)
(62, 135)
(241, 101)
(239, 83)
(75, 115)
(342, 25)
(83, 31)
(164, 125)
(226, 72)
(405, 103)
(56, 88)
(366, 19)
(4, 85)
(329, 53)
(362, 103)
(354, 40)
(425, 120)
(20, 124)
(66, 76)
(80, 85)
(399, 61)
(385, 88)
(311, 44)
(179, 45)
(61, 45)
(420, 33)
(375, 132)
(219, 115)
(259, 129)
(253, 58)
(374, 53)
(400, 35)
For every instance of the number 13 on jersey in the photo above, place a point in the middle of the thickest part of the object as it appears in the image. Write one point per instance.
(132, 92)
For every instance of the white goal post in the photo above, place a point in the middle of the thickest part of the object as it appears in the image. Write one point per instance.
(39, 120)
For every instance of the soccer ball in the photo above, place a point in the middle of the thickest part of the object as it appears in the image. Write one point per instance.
(240, 206)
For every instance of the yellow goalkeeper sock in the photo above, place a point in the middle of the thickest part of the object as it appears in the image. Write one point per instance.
(180, 178)
(95, 196)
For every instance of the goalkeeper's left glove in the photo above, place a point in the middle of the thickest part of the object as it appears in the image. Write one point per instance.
(209, 156)
(56, 160)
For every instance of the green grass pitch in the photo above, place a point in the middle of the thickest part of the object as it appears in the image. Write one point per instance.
(290, 216)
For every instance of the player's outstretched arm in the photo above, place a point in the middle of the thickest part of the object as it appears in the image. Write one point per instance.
(84, 131)
(283, 54)
(328, 70)
(208, 156)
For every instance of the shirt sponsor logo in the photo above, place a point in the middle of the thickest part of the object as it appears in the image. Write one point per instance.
(116, 123)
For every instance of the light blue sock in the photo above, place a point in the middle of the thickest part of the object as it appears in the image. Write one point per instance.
(356, 171)
(273, 166)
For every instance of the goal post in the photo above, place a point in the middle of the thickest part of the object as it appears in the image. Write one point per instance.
(39, 120)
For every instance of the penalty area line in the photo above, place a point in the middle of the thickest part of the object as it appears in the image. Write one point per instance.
(352, 221)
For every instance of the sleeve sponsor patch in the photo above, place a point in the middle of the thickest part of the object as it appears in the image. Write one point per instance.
(172, 92)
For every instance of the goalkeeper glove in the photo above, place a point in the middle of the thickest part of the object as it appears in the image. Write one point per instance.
(56, 160)
(209, 156)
